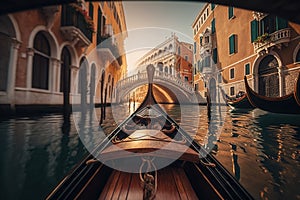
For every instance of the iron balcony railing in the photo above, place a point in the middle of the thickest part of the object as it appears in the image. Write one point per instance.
(71, 17)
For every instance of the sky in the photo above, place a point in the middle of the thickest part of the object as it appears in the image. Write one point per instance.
(149, 23)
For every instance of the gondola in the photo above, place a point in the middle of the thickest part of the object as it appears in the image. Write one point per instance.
(240, 102)
(145, 141)
(288, 104)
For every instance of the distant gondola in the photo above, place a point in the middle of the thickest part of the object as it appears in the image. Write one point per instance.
(239, 102)
(190, 176)
(288, 104)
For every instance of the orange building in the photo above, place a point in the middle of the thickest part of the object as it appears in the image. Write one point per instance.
(231, 43)
(62, 54)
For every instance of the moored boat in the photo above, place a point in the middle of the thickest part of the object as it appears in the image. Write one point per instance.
(288, 104)
(239, 102)
(148, 156)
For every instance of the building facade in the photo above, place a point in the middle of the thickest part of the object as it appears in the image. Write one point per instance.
(230, 43)
(53, 55)
(171, 57)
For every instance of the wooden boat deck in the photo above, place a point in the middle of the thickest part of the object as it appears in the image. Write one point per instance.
(146, 141)
(172, 183)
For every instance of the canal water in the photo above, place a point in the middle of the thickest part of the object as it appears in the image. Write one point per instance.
(260, 149)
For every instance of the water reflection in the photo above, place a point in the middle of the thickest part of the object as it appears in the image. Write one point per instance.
(260, 149)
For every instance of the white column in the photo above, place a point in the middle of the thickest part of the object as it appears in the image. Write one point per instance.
(30, 53)
(12, 72)
(281, 81)
(54, 75)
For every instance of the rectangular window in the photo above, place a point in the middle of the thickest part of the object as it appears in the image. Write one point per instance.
(201, 40)
(230, 12)
(232, 44)
(195, 47)
(281, 23)
(186, 58)
(247, 69)
(219, 78)
(213, 26)
(212, 6)
(215, 55)
(231, 75)
(254, 30)
(196, 87)
(91, 10)
(231, 91)
(186, 79)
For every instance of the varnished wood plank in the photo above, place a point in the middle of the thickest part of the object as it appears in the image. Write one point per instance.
(110, 186)
(179, 184)
(135, 190)
(126, 187)
(166, 188)
(121, 190)
(182, 179)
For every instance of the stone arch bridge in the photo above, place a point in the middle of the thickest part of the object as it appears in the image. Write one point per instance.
(167, 87)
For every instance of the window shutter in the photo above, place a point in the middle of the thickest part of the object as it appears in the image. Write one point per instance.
(212, 6)
(281, 23)
(230, 12)
(232, 44)
(213, 26)
(215, 55)
(254, 30)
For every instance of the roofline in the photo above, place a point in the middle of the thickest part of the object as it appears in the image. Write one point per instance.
(199, 14)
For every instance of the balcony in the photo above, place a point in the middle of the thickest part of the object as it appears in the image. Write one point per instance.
(114, 49)
(75, 25)
(276, 39)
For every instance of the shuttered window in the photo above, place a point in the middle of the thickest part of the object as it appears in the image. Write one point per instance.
(254, 30)
(230, 12)
(231, 91)
(212, 6)
(232, 44)
(281, 23)
(231, 75)
(215, 55)
(213, 26)
(247, 69)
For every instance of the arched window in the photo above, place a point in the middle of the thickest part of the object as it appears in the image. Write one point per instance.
(6, 33)
(298, 56)
(65, 71)
(166, 69)
(82, 77)
(170, 70)
(41, 58)
(160, 66)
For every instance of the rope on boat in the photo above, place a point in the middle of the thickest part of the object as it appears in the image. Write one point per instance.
(149, 181)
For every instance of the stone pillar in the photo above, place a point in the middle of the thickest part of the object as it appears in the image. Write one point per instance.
(11, 82)
(54, 72)
(30, 54)
(281, 80)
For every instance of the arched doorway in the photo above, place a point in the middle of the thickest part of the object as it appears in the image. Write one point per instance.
(268, 78)
(65, 73)
(92, 84)
(212, 90)
(82, 80)
(7, 32)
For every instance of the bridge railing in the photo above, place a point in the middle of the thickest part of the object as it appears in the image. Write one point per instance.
(158, 75)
